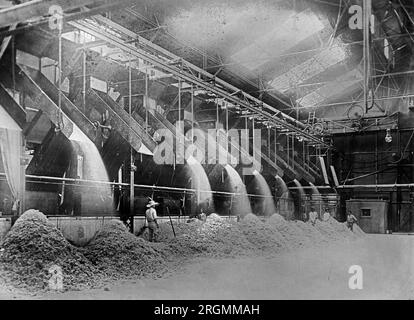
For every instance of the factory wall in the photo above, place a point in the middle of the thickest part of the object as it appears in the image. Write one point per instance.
(371, 214)
(368, 157)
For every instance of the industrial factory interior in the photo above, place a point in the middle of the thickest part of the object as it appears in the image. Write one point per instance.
(206, 149)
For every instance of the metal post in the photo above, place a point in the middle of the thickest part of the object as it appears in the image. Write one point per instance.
(84, 78)
(146, 99)
(254, 142)
(217, 115)
(287, 147)
(268, 142)
(367, 9)
(246, 125)
(275, 145)
(293, 151)
(13, 48)
(22, 207)
(179, 103)
(60, 79)
(227, 128)
(192, 114)
(376, 157)
(129, 87)
(304, 156)
(132, 172)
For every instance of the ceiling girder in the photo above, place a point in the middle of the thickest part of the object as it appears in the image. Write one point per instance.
(38, 8)
(218, 86)
(33, 13)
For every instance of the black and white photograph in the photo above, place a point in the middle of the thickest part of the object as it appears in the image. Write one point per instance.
(206, 150)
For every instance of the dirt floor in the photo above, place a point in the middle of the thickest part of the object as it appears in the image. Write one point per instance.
(311, 273)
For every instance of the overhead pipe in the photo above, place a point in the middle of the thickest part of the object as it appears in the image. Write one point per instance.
(367, 186)
(310, 187)
(142, 186)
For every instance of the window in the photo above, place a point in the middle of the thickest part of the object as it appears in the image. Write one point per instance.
(366, 213)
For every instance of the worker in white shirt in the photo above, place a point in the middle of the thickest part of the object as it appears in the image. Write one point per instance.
(350, 220)
(326, 215)
(313, 215)
(151, 216)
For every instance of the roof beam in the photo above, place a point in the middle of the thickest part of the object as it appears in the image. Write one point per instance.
(6, 41)
(12, 107)
(218, 86)
(29, 126)
(36, 8)
(44, 103)
(40, 8)
(67, 107)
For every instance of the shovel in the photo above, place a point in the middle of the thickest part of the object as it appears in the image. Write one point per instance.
(172, 226)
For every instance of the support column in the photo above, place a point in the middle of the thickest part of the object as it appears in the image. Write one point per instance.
(217, 115)
(227, 127)
(179, 103)
(367, 12)
(84, 79)
(254, 142)
(192, 114)
(132, 172)
(293, 151)
(275, 145)
(268, 141)
(23, 165)
(146, 104)
(287, 149)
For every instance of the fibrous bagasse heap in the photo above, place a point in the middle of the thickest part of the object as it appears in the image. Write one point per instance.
(33, 245)
(252, 235)
(119, 254)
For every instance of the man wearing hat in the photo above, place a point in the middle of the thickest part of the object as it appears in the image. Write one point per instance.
(151, 216)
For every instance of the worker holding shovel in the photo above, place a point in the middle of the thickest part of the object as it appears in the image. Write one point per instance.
(151, 216)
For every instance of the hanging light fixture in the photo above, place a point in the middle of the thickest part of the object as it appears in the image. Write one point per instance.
(388, 137)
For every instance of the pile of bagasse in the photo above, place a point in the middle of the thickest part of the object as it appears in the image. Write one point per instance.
(33, 246)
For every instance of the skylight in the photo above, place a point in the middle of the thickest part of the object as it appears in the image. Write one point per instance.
(284, 36)
(310, 68)
(115, 54)
(78, 37)
(337, 87)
